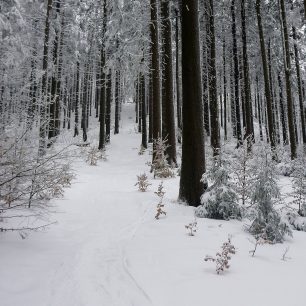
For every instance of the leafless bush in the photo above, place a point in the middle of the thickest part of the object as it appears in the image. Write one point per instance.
(222, 258)
(192, 227)
(28, 181)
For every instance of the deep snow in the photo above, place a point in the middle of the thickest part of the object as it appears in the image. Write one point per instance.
(108, 250)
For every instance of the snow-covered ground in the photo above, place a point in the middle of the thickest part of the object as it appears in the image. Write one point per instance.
(107, 249)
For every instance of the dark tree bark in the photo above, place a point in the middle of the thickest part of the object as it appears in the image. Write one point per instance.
(155, 71)
(224, 91)
(259, 110)
(43, 107)
(178, 80)
(117, 102)
(144, 141)
(151, 109)
(282, 110)
(232, 98)
(236, 75)
(249, 135)
(103, 82)
(108, 106)
(213, 103)
(287, 63)
(77, 97)
(84, 105)
(271, 129)
(53, 113)
(138, 102)
(299, 81)
(205, 67)
(193, 148)
(167, 84)
(271, 90)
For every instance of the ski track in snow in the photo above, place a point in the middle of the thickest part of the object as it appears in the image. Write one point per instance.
(99, 272)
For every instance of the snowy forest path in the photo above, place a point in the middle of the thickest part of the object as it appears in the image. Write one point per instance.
(98, 273)
(82, 257)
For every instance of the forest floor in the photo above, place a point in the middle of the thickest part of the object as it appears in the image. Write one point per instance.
(107, 249)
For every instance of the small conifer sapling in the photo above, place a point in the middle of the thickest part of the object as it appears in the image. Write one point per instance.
(142, 182)
(160, 206)
(192, 227)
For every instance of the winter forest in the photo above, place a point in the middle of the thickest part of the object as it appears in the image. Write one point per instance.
(152, 152)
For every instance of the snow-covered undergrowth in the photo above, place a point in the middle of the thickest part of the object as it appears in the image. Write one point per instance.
(108, 249)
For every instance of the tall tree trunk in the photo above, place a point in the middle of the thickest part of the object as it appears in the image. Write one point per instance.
(103, 82)
(117, 102)
(144, 141)
(287, 63)
(236, 75)
(155, 71)
(151, 108)
(224, 91)
(77, 97)
(249, 135)
(43, 106)
(298, 75)
(54, 80)
(108, 106)
(167, 81)
(178, 80)
(282, 110)
(214, 109)
(193, 148)
(205, 67)
(271, 129)
(259, 110)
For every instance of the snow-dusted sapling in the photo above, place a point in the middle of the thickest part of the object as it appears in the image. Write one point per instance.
(160, 206)
(192, 227)
(259, 240)
(267, 221)
(299, 185)
(220, 201)
(242, 171)
(93, 155)
(160, 166)
(222, 258)
(160, 210)
(142, 182)
(160, 191)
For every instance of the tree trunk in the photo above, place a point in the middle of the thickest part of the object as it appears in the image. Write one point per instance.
(214, 108)
(103, 82)
(287, 63)
(224, 91)
(167, 81)
(271, 129)
(43, 106)
(178, 80)
(76, 106)
(144, 141)
(54, 99)
(117, 101)
(298, 76)
(236, 75)
(108, 106)
(249, 135)
(282, 110)
(193, 148)
(155, 71)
